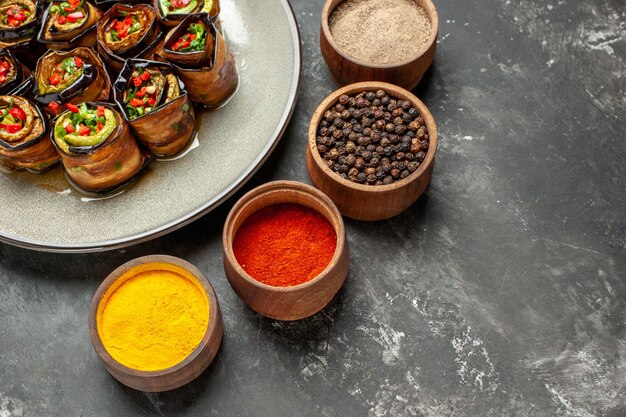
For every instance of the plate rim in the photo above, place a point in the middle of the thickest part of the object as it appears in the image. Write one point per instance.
(210, 205)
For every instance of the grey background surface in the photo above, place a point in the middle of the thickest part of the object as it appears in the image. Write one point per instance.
(501, 292)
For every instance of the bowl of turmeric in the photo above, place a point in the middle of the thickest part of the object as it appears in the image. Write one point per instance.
(285, 250)
(155, 323)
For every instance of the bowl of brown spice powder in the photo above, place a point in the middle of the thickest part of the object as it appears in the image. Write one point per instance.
(379, 40)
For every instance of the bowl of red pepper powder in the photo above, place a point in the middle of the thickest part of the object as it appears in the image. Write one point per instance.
(285, 250)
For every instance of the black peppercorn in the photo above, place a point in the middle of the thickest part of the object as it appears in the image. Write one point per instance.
(412, 166)
(372, 138)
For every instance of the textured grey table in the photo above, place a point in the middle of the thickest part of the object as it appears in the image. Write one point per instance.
(501, 292)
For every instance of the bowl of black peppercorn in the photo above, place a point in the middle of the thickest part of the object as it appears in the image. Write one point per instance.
(371, 149)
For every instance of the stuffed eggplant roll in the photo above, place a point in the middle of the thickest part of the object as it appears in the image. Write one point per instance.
(15, 78)
(68, 24)
(18, 27)
(172, 12)
(199, 54)
(73, 77)
(97, 148)
(128, 32)
(24, 140)
(156, 105)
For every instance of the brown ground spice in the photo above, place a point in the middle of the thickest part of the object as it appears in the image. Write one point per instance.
(380, 31)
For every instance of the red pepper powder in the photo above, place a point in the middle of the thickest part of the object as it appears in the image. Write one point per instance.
(285, 244)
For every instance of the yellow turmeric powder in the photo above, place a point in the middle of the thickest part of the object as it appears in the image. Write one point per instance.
(153, 317)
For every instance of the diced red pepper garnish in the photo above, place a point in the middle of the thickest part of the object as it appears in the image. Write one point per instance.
(137, 81)
(145, 76)
(128, 21)
(99, 126)
(100, 111)
(13, 128)
(20, 17)
(78, 61)
(54, 79)
(151, 101)
(69, 128)
(73, 108)
(84, 130)
(17, 113)
(61, 20)
(136, 102)
(141, 92)
(54, 106)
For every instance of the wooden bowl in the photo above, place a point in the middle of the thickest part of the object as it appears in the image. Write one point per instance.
(299, 301)
(362, 201)
(348, 70)
(181, 373)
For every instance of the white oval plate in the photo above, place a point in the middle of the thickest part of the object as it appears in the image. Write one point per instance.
(43, 212)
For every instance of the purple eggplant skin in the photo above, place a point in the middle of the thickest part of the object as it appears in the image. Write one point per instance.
(168, 128)
(25, 31)
(23, 40)
(34, 152)
(22, 84)
(146, 46)
(211, 75)
(173, 19)
(108, 165)
(93, 85)
(84, 36)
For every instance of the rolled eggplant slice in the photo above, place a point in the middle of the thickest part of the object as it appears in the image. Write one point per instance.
(128, 32)
(156, 104)
(68, 24)
(24, 142)
(200, 56)
(15, 78)
(75, 77)
(98, 150)
(19, 23)
(172, 12)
